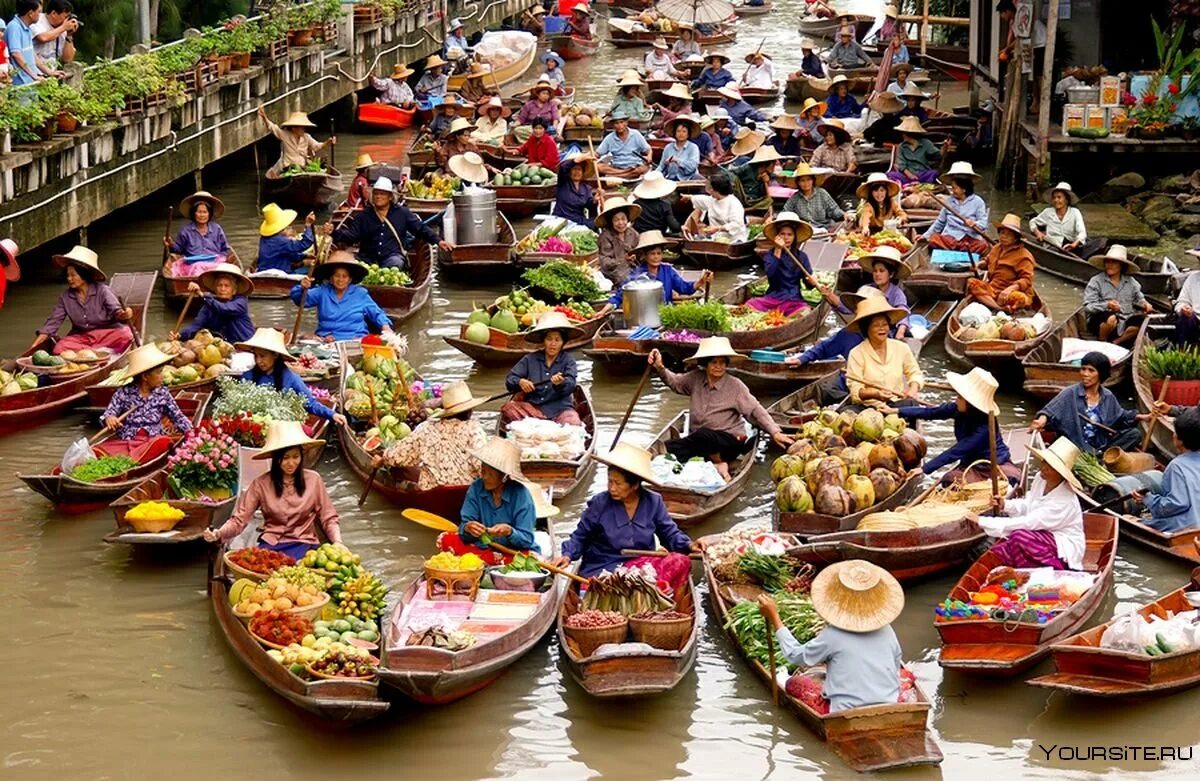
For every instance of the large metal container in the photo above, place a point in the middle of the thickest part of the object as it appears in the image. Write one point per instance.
(640, 302)
(475, 216)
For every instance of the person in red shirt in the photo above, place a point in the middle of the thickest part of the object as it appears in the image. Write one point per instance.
(539, 148)
(10, 271)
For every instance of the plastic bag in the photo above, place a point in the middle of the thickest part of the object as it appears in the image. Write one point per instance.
(1176, 631)
(1125, 633)
(79, 452)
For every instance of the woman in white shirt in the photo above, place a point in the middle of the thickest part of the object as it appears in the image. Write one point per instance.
(1061, 224)
(761, 73)
(687, 45)
(491, 126)
(1187, 307)
(657, 63)
(717, 212)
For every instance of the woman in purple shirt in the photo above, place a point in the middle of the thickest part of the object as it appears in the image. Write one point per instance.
(201, 236)
(540, 105)
(575, 200)
(97, 317)
(887, 269)
(145, 401)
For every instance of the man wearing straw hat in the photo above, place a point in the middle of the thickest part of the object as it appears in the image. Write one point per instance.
(433, 82)
(913, 97)
(277, 250)
(916, 156)
(444, 117)
(900, 74)
(624, 152)
(862, 657)
(753, 179)
(848, 53)
(1113, 298)
(378, 231)
(456, 38)
(760, 71)
(492, 126)
(225, 308)
(297, 147)
(657, 62)
(719, 405)
(394, 90)
(441, 448)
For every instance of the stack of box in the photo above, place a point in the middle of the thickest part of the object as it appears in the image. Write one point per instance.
(1097, 108)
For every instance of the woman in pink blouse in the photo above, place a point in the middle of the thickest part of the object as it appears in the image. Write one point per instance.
(292, 499)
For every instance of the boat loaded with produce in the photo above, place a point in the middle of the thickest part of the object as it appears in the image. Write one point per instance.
(558, 240)
(402, 293)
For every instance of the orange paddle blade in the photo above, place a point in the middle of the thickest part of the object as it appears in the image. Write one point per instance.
(429, 520)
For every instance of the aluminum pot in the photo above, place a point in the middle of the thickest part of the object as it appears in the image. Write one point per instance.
(475, 216)
(640, 303)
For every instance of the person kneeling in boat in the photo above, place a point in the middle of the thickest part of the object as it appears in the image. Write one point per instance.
(440, 448)
(858, 601)
(394, 90)
(1045, 527)
(225, 308)
(297, 147)
(618, 238)
(146, 400)
(752, 181)
(887, 269)
(834, 347)
(544, 380)
(1009, 271)
(626, 516)
(1176, 507)
(344, 307)
(293, 500)
(811, 202)
(202, 235)
(378, 231)
(539, 148)
(1088, 414)
(97, 317)
(719, 406)
(785, 264)
(1061, 223)
(280, 251)
(579, 25)
(674, 286)
(575, 200)
(881, 369)
(718, 212)
(1113, 298)
(964, 216)
(271, 358)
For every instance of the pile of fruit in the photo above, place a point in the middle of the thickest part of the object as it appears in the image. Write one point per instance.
(627, 590)
(58, 363)
(532, 174)
(349, 630)
(249, 598)
(329, 558)
(154, 511)
(313, 166)
(343, 665)
(297, 656)
(387, 277)
(199, 358)
(577, 115)
(389, 382)
(468, 562)
(845, 462)
(521, 305)
(300, 576)
(864, 245)
(433, 187)
(355, 591)
(280, 627)
(578, 311)
(260, 560)
(19, 382)
(554, 237)
(1000, 326)
(744, 318)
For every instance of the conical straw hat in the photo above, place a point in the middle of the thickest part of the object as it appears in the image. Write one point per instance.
(714, 347)
(654, 185)
(911, 125)
(978, 387)
(84, 260)
(852, 300)
(614, 204)
(857, 596)
(811, 103)
(869, 307)
(888, 255)
(651, 239)
(502, 455)
(215, 204)
(469, 167)
(275, 219)
(553, 321)
(804, 231)
(457, 397)
(1061, 457)
(765, 154)
(268, 339)
(678, 90)
(542, 506)
(209, 278)
(297, 119)
(145, 358)
(804, 169)
(746, 141)
(284, 435)
(629, 458)
(875, 178)
(363, 161)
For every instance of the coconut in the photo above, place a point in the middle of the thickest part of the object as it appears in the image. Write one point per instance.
(968, 333)
(865, 448)
(792, 496)
(834, 500)
(989, 330)
(910, 448)
(828, 418)
(895, 423)
(209, 356)
(831, 470)
(478, 333)
(868, 426)
(855, 461)
(786, 465)
(810, 474)
(1012, 332)
(803, 449)
(884, 483)
(829, 441)
(862, 490)
(883, 456)
(184, 358)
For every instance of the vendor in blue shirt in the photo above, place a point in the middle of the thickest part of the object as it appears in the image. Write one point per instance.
(841, 104)
(270, 368)
(345, 310)
(716, 75)
(681, 158)
(1176, 507)
(544, 380)
(626, 516)
(627, 151)
(224, 308)
(202, 235)
(1076, 408)
(650, 249)
(574, 199)
(498, 504)
(379, 231)
(276, 249)
(740, 112)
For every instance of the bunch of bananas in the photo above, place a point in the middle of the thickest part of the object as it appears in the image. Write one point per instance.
(433, 186)
(356, 592)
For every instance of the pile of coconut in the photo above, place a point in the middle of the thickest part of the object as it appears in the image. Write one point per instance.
(202, 357)
(845, 462)
(578, 115)
(982, 323)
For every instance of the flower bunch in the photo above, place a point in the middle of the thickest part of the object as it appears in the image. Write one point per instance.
(425, 392)
(246, 429)
(320, 394)
(207, 458)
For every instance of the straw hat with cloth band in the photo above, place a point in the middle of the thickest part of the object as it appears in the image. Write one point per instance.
(630, 79)
(660, 43)
(216, 206)
(545, 57)
(765, 155)
(878, 177)
(756, 54)
(710, 56)
(857, 596)
(679, 91)
(400, 72)
(852, 300)
(837, 128)
(907, 67)
(804, 169)
(746, 141)
(269, 340)
(145, 358)
(960, 169)
(553, 321)
(459, 125)
(457, 398)
(911, 125)
(503, 455)
(811, 103)
(587, 162)
(648, 240)
(8, 253)
(297, 119)
(804, 231)
(978, 387)
(363, 161)
(285, 435)
(494, 102)
(714, 347)
(1118, 253)
(913, 91)
(434, 61)
(614, 204)
(886, 103)
(693, 123)
(1060, 456)
(1061, 187)
(889, 256)
(629, 458)
(837, 80)
(784, 122)
(807, 43)
(876, 305)
(542, 85)
(208, 279)
(730, 92)
(469, 167)
(340, 259)
(1010, 222)
(654, 185)
(84, 260)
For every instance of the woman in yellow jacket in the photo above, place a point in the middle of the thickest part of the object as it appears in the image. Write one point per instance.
(881, 371)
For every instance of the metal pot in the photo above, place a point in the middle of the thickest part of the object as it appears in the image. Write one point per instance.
(475, 216)
(640, 303)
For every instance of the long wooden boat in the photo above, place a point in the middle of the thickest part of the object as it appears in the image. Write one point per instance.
(628, 674)
(1083, 667)
(618, 354)
(795, 331)
(271, 285)
(524, 200)
(505, 349)
(52, 398)
(1046, 375)
(999, 356)
(744, 9)
(823, 27)
(434, 676)
(401, 303)
(572, 47)
(755, 96)
(1179, 545)
(718, 255)
(686, 506)
(421, 160)
(73, 496)
(773, 378)
(928, 281)
(1155, 282)
(384, 117)
(563, 475)
(304, 190)
(332, 699)
(477, 262)
(1154, 328)
(197, 517)
(870, 738)
(1001, 648)
(624, 36)
(498, 77)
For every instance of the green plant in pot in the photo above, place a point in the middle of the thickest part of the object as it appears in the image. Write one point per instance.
(1182, 365)
(25, 115)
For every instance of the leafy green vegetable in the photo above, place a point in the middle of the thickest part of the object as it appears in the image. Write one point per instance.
(102, 468)
(772, 572)
(1176, 363)
(750, 628)
(564, 279)
(695, 316)
(523, 563)
(244, 396)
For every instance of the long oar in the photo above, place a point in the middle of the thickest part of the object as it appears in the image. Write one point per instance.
(660, 553)
(167, 250)
(995, 461)
(885, 390)
(1162, 395)
(183, 312)
(317, 260)
(958, 214)
(503, 393)
(596, 169)
(637, 394)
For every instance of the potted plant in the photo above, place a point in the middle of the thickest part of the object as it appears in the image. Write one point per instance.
(1182, 365)
(26, 117)
(300, 21)
(64, 101)
(241, 38)
(204, 466)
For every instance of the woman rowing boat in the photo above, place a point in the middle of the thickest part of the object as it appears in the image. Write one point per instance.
(441, 448)
(97, 317)
(345, 310)
(271, 358)
(786, 265)
(674, 286)
(225, 308)
(1089, 414)
(138, 408)
(543, 381)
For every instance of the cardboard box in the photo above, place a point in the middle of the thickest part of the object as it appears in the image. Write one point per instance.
(1073, 116)
(1110, 91)
(1096, 117)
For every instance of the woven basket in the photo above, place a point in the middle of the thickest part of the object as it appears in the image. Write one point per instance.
(665, 635)
(323, 676)
(308, 611)
(590, 639)
(455, 583)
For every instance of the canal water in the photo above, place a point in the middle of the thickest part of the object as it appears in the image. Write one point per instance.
(115, 667)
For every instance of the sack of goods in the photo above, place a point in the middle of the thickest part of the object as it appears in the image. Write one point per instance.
(697, 474)
(547, 440)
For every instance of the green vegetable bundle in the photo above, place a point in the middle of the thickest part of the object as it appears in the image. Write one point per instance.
(750, 628)
(253, 399)
(102, 468)
(1178, 363)
(584, 242)
(773, 572)
(1091, 471)
(695, 316)
(564, 280)
(522, 563)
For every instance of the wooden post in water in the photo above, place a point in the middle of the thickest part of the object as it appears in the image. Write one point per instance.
(1047, 84)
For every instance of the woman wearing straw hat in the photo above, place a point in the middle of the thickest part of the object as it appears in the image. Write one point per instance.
(1086, 411)
(720, 406)
(657, 62)
(554, 72)
(887, 269)
(916, 156)
(913, 97)
(618, 238)
(580, 24)
(879, 204)
(900, 74)
(627, 515)
(811, 202)
(224, 308)
(752, 181)
(433, 82)
(97, 317)
(271, 359)
(886, 363)
(960, 229)
(499, 504)
(293, 500)
(541, 105)
(297, 147)
(360, 187)
(444, 116)
(685, 45)
(653, 196)
(715, 75)
(543, 381)
(760, 73)
(345, 310)
(836, 346)
(785, 142)
(147, 397)
(679, 103)
(491, 127)
(807, 122)
(785, 265)
(740, 112)
(457, 142)
(441, 448)
(574, 199)
(839, 103)
(202, 235)
(837, 153)
(377, 231)
(628, 101)
(1113, 298)
(811, 64)
(394, 90)
(674, 286)
(1009, 267)
(1061, 224)
(680, 160)
(278, 250)
(862, 657)
(718, 212)
(1045, 527)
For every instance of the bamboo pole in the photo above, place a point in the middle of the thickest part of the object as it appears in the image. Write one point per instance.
(1162, 395)
(1047, 83)
(995, 461)
(924, 31)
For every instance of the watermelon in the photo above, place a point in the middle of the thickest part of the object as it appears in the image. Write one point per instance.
(372, 443)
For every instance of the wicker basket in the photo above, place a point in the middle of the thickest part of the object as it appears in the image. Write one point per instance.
(664, 635)
(590, 639)
(249, 574)
(454, 583)
(325, 677)
(308, 611)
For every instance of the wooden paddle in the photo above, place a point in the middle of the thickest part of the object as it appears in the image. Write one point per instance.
(317, 260)
(658, 554)
(885, 390)
(1100, 426)
(367, 488)
(1162, 395)
(120, 419)
(183, 312)
(167, 250)
(637, 394)
(503, 393)
(596, 170)
(995, 460)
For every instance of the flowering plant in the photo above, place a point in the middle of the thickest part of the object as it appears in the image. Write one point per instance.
(246, 429)
(423, 392)
(320, 394)
(206, 459)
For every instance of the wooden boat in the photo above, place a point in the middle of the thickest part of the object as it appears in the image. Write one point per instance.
(175, 287)
(476, 262)
(71, 495)
(1003, 648)
(54, 396)
(577, 133)
(434, 676)
(1046, 375)
(744, 9)
(332, 699)
(927, 281)
(629, 674)
(384, 117)
(563, 475)
(421, 160)
(801, 405)
(791, 333)
(1155, 282)
(505, 349)
(755, 96)
(824, 27)
(801, 87)
(498, 77)
(623, 35)
(572, 47)
(524, 200)
(303, 190)
(401, 303)
(618, 354)
(1083, 667)
(197, 517)
(1154, 328)
(1177, 545)
(687, 506)
(495, 156)
(870, 738)
(718, 255)
(999, 356)
(773, 378)
(270, 285)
